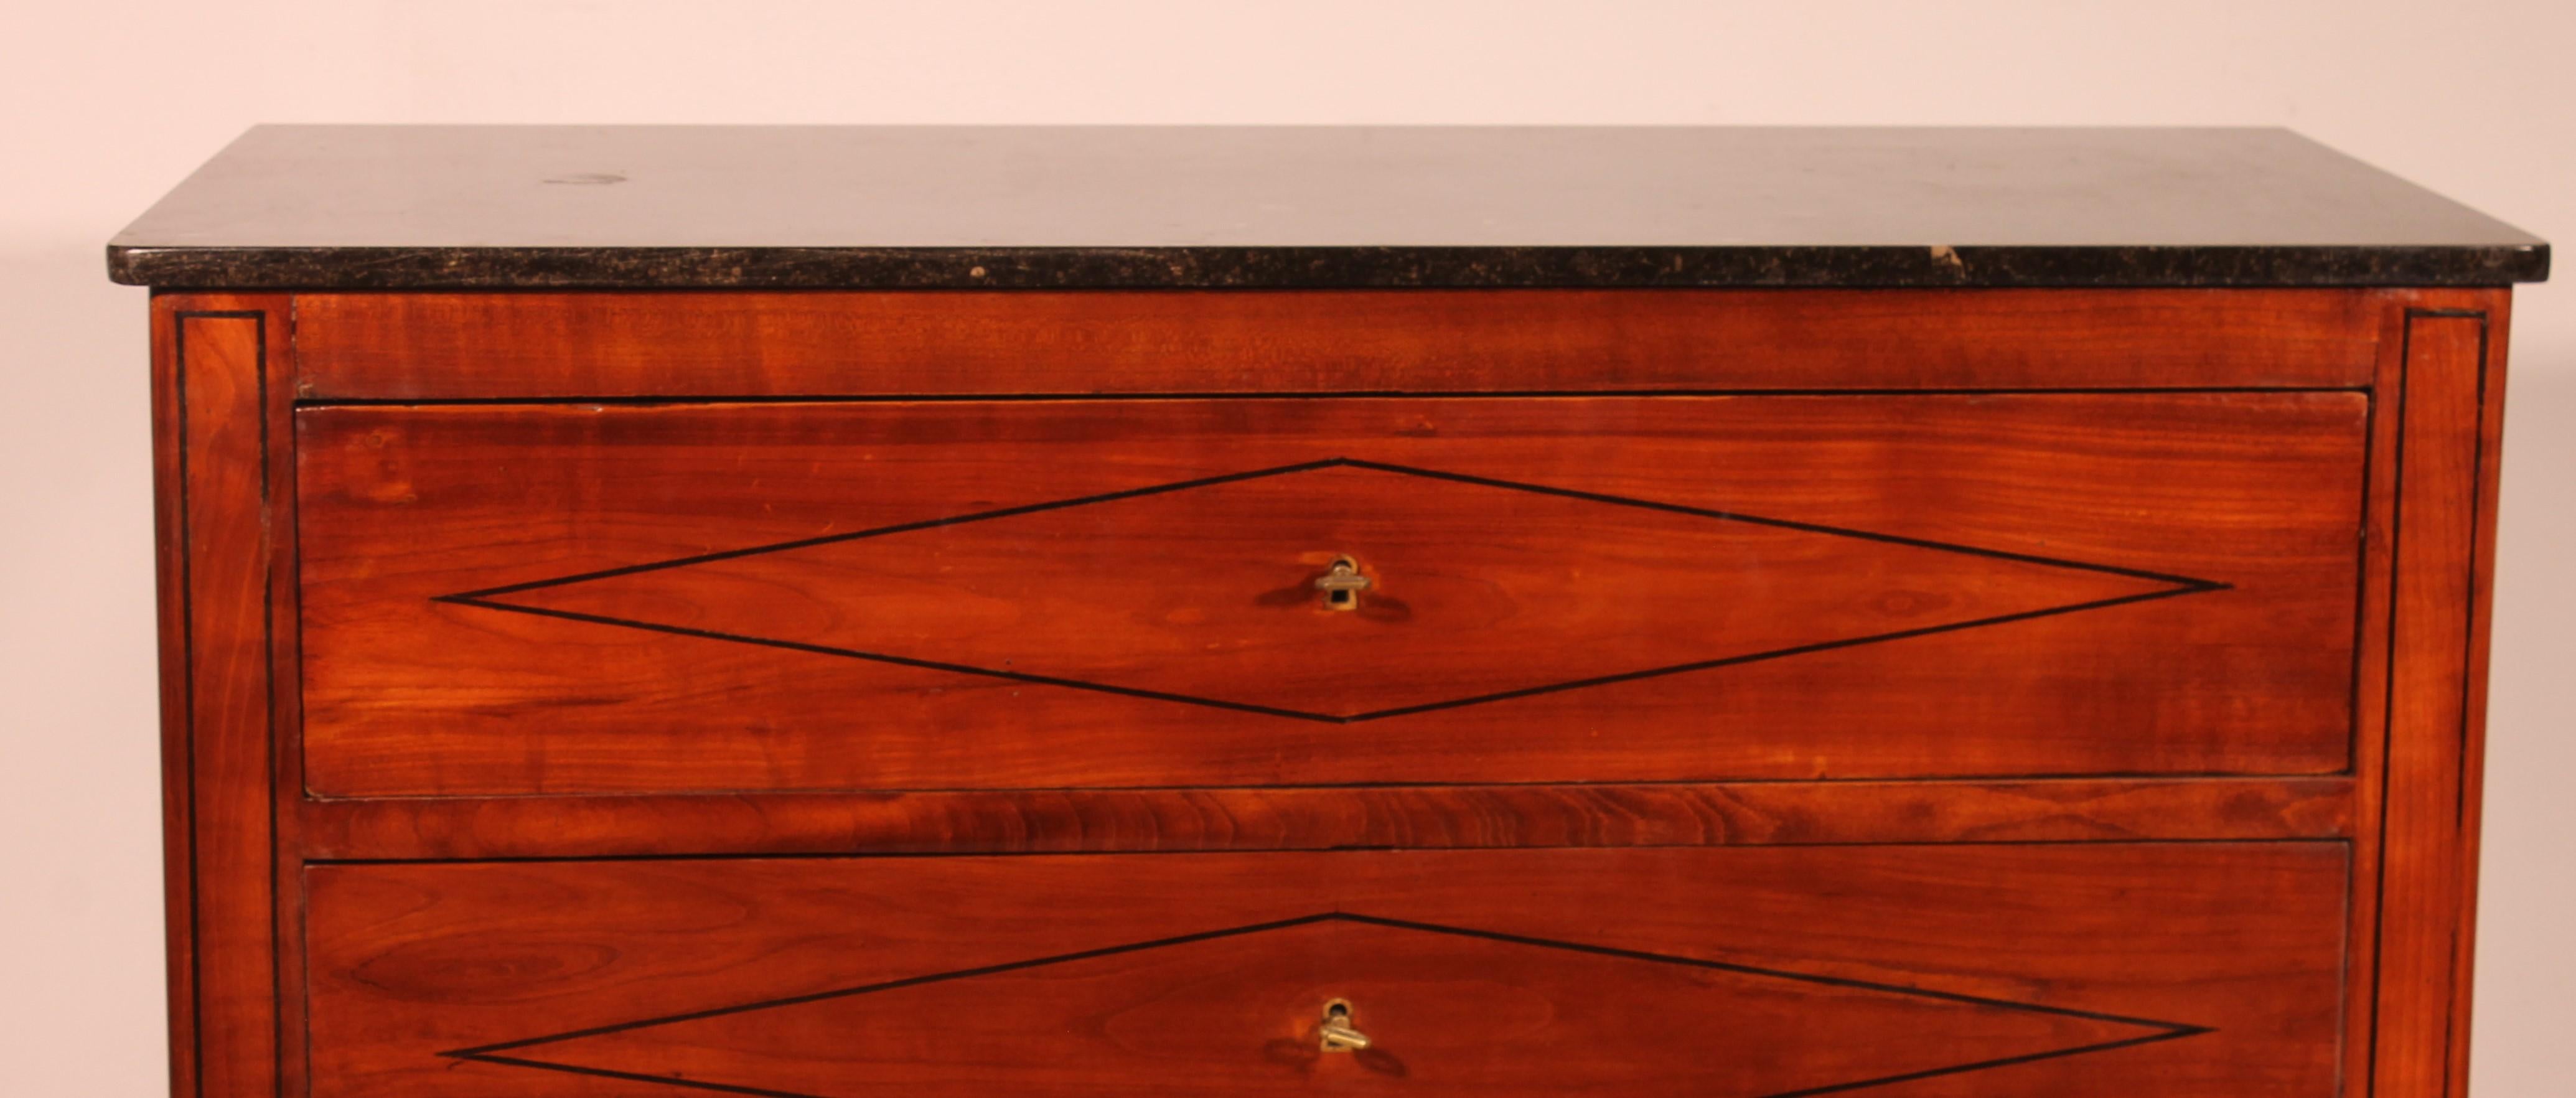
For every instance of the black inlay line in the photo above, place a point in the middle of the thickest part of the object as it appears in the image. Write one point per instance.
(2388, 690)
(2168, 777)
(2388, 711)
(1354, 463)
(880, 657)
(1780, 653)
(2397, 527)
(898, 528)
(2361, 585)
(273, 726)
(2347, 947)
(486, 597)
(2468, 682)
(2477, 546)
(891, 985)
(967, 851)
(1283, 394)
(1984, 1065)
(1785, 524)
(665, 1080)
(2166, 1030)
(1751, 970)
(188, 707)
(188, 652)
(1838, 1088)
(1402, 711)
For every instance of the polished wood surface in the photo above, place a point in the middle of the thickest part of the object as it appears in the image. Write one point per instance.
(2246, 801)
(221, 370)
(2446, 389)
(1420, 817)
(2019, 970)
(505, 600)
(570, 346)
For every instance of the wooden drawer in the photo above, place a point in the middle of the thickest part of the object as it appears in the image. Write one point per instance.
(1989, 970)
(555, 599)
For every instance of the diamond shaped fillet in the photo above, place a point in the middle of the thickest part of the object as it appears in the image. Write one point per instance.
(1201, 592)
(1449, 1011)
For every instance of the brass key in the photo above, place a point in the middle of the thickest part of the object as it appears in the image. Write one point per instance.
(1342, 585)
(1338, 1034)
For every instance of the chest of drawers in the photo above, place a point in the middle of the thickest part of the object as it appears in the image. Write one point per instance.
(841, 612)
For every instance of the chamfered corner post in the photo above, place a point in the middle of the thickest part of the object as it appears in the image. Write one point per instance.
(2439, 400)
(222, 384)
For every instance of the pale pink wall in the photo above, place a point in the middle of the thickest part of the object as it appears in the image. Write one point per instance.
(108, 103)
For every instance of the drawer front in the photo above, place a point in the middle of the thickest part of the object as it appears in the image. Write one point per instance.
(952, 595)
(485, 346)
(2106, 969)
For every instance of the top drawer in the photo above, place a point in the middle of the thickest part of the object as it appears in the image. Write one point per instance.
(510, 599)
(501, 346)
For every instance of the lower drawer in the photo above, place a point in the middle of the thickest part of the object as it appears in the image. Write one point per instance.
(1993, 970)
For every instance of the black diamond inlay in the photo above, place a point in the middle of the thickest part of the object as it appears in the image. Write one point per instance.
(1204, 587)
(1226, 1001)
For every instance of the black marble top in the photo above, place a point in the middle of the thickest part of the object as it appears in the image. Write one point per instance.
(403, 207)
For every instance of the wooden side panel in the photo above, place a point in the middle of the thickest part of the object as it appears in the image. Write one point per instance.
(577, 345)
(2498, 307)
(982, 595)
(2204, 969)
(221, 370)
(2446, 394)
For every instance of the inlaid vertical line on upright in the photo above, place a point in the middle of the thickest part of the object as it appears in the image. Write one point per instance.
(218, 358)
(2437, 523)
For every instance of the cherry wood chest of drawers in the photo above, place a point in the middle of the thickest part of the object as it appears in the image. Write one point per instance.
(828, 613)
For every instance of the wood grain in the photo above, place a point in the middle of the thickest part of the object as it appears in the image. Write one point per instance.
(1744, 813)
(2145, 810)
(1476, 591)
(410, 696)
(220, 364)
(2211, 968)
(485, 346)
(2470, 805)
(2446, 393)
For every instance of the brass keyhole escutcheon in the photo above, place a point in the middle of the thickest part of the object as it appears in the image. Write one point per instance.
(1342, 585)
(1338, 1033)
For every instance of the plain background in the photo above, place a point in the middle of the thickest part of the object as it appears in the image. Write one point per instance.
(108, 104)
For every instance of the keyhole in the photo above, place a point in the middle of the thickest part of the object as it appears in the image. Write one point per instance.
(1342, 585)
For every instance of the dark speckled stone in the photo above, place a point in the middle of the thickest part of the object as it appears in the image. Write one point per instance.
(386, 208)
